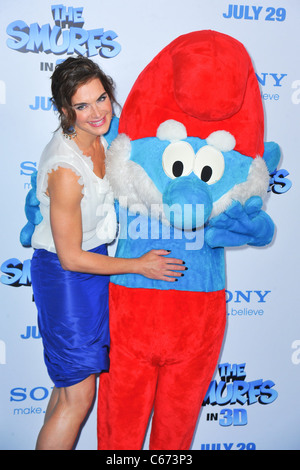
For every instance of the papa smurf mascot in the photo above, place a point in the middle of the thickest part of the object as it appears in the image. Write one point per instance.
(189, 170)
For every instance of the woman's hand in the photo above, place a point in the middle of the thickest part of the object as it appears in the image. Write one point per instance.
(155, 265)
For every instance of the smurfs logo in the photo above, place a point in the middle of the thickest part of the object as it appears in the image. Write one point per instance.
(67, 36)
(16, 273)
(234, 390)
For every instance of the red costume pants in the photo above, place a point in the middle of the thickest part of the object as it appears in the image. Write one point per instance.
(164, 350)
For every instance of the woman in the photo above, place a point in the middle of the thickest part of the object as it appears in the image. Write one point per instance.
(70, 266)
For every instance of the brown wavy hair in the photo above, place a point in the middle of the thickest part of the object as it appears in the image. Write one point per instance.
(66, 79)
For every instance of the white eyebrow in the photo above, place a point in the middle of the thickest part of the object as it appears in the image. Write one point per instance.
(171, 130)
(222, 140)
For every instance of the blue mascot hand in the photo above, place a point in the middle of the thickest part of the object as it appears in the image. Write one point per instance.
(241, 225)
(32, 212)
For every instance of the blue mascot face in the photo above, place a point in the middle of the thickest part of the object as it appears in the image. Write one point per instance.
(190, 173)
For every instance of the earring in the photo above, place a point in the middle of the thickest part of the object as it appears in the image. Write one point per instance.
(71, 134)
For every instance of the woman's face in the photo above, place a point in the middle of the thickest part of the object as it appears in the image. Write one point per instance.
(93, 108)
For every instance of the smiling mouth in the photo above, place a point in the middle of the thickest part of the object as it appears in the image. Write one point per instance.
(97, 123)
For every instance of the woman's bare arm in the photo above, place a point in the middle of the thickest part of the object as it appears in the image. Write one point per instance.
(65, 216)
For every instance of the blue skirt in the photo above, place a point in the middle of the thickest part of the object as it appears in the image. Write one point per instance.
(72, 318)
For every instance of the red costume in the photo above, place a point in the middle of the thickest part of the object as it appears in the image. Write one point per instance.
(166, 338)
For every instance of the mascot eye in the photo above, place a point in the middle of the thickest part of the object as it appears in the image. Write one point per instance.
(209, 164)
(178, 159)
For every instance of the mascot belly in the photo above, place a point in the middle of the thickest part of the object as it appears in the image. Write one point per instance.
(189, 170)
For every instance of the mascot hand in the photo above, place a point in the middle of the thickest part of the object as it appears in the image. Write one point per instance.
(32, 212)
(241, 225)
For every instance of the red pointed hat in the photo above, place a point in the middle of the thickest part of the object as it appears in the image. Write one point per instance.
(205, 80)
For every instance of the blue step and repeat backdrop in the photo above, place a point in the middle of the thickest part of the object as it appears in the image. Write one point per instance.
(254, 402)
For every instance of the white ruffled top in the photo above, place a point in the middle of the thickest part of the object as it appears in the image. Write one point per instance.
(99, 222)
